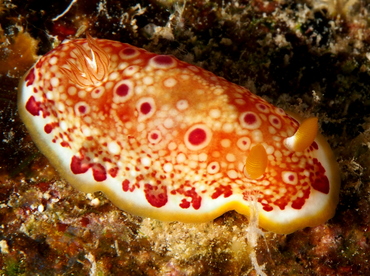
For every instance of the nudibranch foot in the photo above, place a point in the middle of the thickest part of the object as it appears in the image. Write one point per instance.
(169, 140)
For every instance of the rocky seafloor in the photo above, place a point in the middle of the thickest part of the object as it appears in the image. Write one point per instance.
(311, 57)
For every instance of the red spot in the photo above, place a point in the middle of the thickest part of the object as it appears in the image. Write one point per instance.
(267, 208)
(250, 119)
(48, 128)
(197, 136)
(298, 203)
(196, 200)
(315, 145)
(222, 190)
(113, 172)
(30, 77)
(163, 60)
(33, 107)
(125, 185)
(156, 195)
(154, 136)
(79, 165)
(128, 51)
(262, 106)
(320, 182)
(145, 108)
(275, 121)
(99, 172)
(82, 109)
(184, 204)
(65, 144)
(291, 178)
(321, 185)
(122, 90)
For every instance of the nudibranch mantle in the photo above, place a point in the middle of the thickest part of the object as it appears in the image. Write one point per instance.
(169, 140)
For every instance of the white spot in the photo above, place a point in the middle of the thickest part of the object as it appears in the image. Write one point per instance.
(168, 167)
(53, 60)
(113, 58)
(272, 130)
(172, 146)
(86, 131)
(182, 105)
(290, 178)
(140, 127)
(81, 94)
(270, 150)
(145, 107)
(88, 120)
(113, 76)
(122, 66)
(131, 70)
(72, 90)
(162, 61)
(148, 80)
(180, 158)
(49, 95)
(97, 92)
(213, 167)
(197, 137)
(257, 136)
(215, 113)
(243, 143)
(232, 174)
(218, 91)
(114, 148)
(54, 69)
(203, 157)
(54, 82)
(280, 111)
(146, 161)
(250, 120)
(81, 108)
(227, 128)
(123, 91)
(168, 123)
(225, 143)
(154, 136)
(230, 157)
(278, 154)
(63, 125)
(109, 85)
(263, 107)
(275, 121)
(240, 101)
(170, 82)
(193, 68)
(128, 53)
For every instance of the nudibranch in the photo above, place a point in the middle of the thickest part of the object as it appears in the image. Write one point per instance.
(168, 140)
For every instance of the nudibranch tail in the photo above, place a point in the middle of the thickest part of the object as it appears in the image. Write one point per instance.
(256, 163)
(304, 136)
(166, 139)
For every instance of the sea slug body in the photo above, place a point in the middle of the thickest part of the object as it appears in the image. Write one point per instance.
(169, 140)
